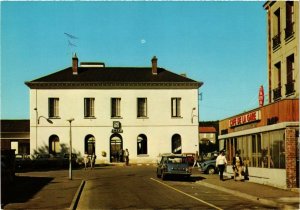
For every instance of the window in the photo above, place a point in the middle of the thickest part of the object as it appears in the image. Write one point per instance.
(89, 107)
(276, 30)
(290, 66)
(175, 106)
(141, 144)
(142, 107)
(54, 146)
(289, 21)
(116, 107)
(176, 144)
(53, 107)
(277, 78)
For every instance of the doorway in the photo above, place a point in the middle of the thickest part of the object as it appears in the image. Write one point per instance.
(89, 145)
(116, 148)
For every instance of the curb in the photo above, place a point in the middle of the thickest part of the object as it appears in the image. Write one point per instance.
(247, 196)
(77, 196)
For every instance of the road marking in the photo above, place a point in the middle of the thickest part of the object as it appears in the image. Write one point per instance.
(198, 199)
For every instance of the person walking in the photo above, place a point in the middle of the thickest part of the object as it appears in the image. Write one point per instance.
(93, 160)
(86, 160)
(126, 156)
(221, 162)
(237, 166)
(196, 160)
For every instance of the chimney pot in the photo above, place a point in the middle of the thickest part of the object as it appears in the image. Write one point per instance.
(75, 64)
(154, 65)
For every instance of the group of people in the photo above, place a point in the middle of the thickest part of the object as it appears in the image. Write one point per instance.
(123, 155)
(237, 165)
(89, 159)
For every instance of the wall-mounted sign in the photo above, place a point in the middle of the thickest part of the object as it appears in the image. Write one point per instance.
(261, 96)
(117, 127)
(244, 119)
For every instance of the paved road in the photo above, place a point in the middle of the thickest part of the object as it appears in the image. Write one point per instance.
(136, 187)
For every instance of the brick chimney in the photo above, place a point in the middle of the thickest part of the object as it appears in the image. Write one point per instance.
(75, 64)
(154, 65)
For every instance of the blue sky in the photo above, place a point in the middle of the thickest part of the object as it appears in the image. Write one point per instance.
(222, 44)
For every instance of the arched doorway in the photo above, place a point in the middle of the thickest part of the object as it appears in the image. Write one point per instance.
(176, 144)
(141, 144)
(89, 144)
(54, 146)
(116, 145)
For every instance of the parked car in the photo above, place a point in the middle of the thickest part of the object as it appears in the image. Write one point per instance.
(209, 166)
(23, 162)
(173, 165)
(190, 158)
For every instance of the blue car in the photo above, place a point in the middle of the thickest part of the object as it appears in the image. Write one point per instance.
(209, 166)
(173, 165)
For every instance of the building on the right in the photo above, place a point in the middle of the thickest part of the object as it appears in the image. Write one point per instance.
(268, 136)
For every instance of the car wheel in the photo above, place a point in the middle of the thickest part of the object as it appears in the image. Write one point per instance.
(211, 170)
(163, 176)
(157, 174)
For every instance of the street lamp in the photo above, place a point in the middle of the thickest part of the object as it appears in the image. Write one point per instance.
(37, 122)
(70, 152)
(192, 114)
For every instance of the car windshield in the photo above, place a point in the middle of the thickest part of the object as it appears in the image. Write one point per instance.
(176, 160)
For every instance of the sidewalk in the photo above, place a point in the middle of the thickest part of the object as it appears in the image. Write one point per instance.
(54, 190)
(267, 195)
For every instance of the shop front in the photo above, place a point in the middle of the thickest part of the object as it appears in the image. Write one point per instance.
(267, 139)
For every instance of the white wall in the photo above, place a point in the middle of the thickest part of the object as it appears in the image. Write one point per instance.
(268, 176)
(158, 127)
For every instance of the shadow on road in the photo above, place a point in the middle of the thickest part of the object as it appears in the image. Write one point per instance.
(183, 179)
(22, 189)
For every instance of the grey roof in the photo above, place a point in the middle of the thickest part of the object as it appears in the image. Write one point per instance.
(113, 77)
(15, 125)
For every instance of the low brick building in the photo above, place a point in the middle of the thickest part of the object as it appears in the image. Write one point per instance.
(268, 138)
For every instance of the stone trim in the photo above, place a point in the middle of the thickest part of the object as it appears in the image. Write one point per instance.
(113, 85)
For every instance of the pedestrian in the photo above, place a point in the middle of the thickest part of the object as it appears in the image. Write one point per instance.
(126, 156)
(121, 155)
(221, 162)
(237, 166)
(93, 160)
(86, 160)
(196, 159)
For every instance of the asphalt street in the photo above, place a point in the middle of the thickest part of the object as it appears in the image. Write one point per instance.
(137, 187)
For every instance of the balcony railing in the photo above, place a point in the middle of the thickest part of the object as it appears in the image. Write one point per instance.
(277, 93)
(289, 88)
(289, 30)
(276, 41)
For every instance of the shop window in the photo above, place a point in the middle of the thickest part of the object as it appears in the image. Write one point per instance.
(265, 159)
(141, 144)
(277, 149)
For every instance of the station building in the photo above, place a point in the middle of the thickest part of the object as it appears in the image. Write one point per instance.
(268, 136)
(148, 110)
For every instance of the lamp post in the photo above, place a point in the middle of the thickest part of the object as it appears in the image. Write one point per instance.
(70, 152)
(37, 122)
(192, 114)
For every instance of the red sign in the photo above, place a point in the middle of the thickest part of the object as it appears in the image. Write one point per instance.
(243, 119)
(261, 96)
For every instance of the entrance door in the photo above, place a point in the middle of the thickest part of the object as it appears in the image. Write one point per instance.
(89, 146)
(116, 144)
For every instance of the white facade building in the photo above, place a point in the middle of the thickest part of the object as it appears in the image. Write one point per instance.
(147, 110)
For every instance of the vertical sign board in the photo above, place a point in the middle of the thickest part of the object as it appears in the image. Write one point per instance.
(261, 96)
